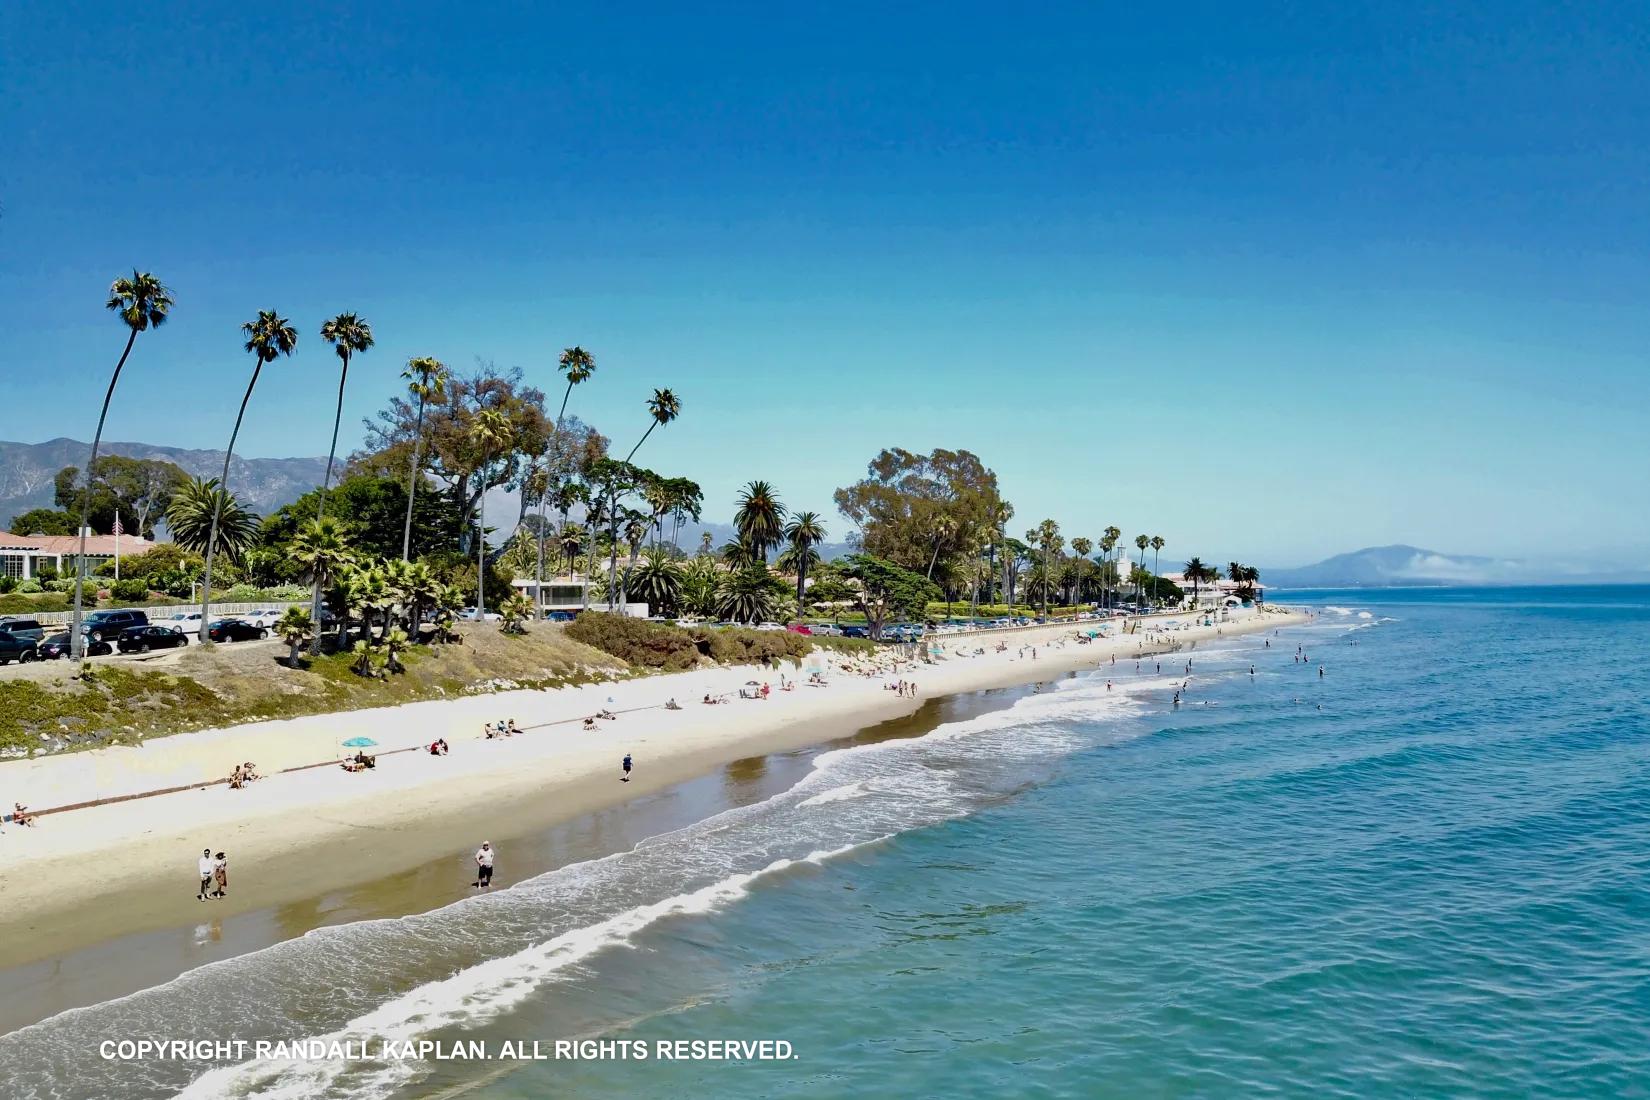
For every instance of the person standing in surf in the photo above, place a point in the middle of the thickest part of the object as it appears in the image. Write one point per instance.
(626, 777)
(484, 867)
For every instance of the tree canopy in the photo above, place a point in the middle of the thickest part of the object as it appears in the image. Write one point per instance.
(138, 489)
(919, 511)
(887, 591)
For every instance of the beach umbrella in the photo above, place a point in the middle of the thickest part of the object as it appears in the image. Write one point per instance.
(359, 743)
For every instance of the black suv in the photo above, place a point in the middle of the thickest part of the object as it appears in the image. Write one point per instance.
(141, 639)
(17, 647)
(100, 626)
(22, 627)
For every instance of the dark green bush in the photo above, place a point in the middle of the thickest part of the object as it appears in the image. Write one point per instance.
(636, 641)
(733, 645)
(129, 589)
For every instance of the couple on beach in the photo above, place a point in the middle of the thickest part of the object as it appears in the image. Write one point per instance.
(214, 871)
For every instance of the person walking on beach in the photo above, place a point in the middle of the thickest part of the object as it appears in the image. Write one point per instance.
(484, 867)
(208, 869)
(626, 777)
(220, 874)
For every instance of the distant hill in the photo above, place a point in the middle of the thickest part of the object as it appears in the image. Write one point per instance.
(1392, 566)
(27, 470)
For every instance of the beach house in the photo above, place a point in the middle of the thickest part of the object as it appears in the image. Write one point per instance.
(26, 557)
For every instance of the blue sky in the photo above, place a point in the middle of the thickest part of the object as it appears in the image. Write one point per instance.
(1270, 281)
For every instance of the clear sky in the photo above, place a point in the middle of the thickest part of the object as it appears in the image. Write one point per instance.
(1271, 280)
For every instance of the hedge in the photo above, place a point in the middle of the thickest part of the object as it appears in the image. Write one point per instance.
(673, 648)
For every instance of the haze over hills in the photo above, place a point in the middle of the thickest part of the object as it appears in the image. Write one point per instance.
(1393, 566)
(27, 470)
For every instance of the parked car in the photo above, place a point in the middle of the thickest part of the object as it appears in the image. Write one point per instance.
(100, 626)
(141, 639)
(235, 630)
(767, 626)
(17, 647)
(799, 628)
(827, 630)
(855, 632)
(266, 618)
(560, 616)
(22, 627)
(57, 646)
(469, 615)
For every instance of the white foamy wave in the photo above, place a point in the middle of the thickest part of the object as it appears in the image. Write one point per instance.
(1365, 615)
(836, 794)
(1333, 610)
(468, 998)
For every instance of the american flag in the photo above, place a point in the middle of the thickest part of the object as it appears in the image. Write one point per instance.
(118, 529)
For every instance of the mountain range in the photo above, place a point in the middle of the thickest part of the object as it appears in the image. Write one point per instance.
(27, 470)
(1395, 566)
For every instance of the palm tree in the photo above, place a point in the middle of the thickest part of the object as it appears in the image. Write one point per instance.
(491, 432)
(143, 303)
(759, 519)
(295, 628)
(348, 334)
(1157, 547)
(746, 595)
(1140, 544)
(576, 365)
(705, 541)
(803, 533)
(664, 406)
(267, 338)
(1047, 537)
(426, 380)
(1082, 547)
(1108, 543)
(321, 547)
(514, 610)
(658, 580)
(1195, 572)
(189, 518)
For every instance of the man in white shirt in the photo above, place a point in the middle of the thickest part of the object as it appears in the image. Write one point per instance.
(484, 866)
(206, 866)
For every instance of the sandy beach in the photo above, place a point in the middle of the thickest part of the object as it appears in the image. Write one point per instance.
(83, 876)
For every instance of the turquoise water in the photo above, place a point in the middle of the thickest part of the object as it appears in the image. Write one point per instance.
(1439, 885)
(1426, 873)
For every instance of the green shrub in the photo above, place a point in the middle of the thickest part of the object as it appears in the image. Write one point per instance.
(735, 645)
(19, 604)
(129, 589)
(8, 585)
(29, 587)
(636, 641)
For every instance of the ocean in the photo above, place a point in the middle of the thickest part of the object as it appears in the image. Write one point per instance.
(1425, 872)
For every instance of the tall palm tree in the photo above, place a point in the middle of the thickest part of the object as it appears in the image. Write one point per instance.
(1047, 537)
(491, 432)
(1108, 544)
(1082, 547)
(1140, 544)
(664, 406)
(267, 338)
(803, 533)
(143, 303)
(348, 335)
(576, 365)
(426, 380)
(1157, 547)
(759, 518)
(1195, 572)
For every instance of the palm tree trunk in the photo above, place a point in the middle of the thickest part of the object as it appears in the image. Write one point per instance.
(77, 645)
(412, 481)
(321, 505)
(544, 498)
(640, 441)
(481, 546)
(217, 510)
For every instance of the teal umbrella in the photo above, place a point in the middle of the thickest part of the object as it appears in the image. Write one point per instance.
(359, 743)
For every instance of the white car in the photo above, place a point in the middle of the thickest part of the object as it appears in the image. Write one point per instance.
(184, 621)
(266, 619)
(469, 615)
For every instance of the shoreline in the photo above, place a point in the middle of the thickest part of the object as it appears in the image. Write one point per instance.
(298, 835)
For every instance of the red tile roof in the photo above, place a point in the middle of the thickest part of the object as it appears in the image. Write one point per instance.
(70, 544)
